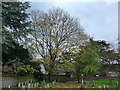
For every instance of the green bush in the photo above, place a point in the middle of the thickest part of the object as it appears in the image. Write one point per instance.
(25, 69)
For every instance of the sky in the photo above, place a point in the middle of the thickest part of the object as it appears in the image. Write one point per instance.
(99, 19)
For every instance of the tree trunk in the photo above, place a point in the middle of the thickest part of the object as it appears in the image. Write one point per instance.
(49, 76)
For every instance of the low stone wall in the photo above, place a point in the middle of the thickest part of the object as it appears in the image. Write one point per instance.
(10, 82)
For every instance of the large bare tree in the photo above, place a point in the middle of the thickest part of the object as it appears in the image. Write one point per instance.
(53, 33)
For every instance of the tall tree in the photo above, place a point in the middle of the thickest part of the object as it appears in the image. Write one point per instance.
(53, 32)
(14, 22)
(109, 57)
(14, 28)
(87, 61)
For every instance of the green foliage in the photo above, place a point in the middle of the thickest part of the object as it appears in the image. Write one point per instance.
(14, 23)
(15, 54)
(15, 18)
(108, 56)
(25, 69)
(87, 60)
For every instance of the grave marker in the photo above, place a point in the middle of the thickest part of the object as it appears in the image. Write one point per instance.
(117, 84)
(29, 85)
(8, 86)
(18, 84)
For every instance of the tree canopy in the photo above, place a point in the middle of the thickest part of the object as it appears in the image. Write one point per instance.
(53, 33)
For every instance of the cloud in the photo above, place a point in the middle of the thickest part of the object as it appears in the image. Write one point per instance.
(99, 19)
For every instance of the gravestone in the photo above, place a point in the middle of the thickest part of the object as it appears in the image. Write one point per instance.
(31, 81)
(22, 84)
(48, 85)
(107, 87)
(104, 87)
(117, 84)
(32, 86)
(8, 86)
(23, 87)
(25, 83)
(93, 83)
(53, 83)
(29, 85)
(82, 81)
(37, 84)
(82, 87)
(99, 87)
(18, 84)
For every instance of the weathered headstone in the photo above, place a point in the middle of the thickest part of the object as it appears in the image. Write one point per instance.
(22, 84)
(104, 87)
(8, 86)
(117, 84)
(37, 84)
(48, 85)
(107, 87)
(32, 86)
(53, 83)
(18, 84)
(82, 81)
(23, 87)
(82, 87)
(25, 83)
(93, 83)
(31, 81)
(29, 85)
(99, 86)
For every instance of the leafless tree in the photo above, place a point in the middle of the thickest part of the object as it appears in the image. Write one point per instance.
(53, 32)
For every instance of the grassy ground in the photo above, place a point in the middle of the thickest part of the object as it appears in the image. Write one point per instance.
(78, 85)
(67, 85)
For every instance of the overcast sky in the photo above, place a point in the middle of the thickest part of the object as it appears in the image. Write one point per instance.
(99, 19)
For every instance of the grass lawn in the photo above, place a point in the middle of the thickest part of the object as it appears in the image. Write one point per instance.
(67, 85)
(78, 85)
(105, 82)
